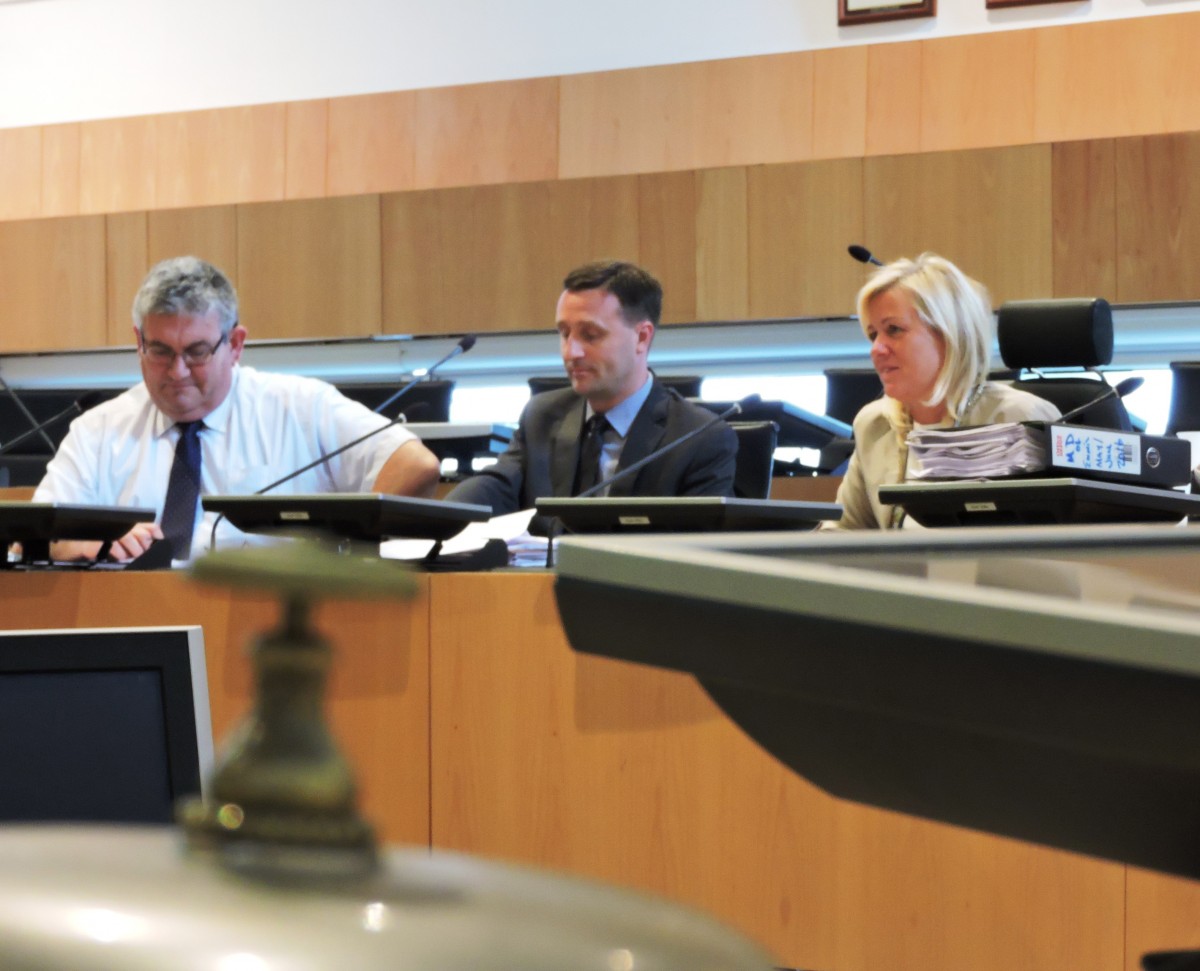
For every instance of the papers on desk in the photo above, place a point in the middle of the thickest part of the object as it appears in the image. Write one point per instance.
(982, 452)
(523, 549)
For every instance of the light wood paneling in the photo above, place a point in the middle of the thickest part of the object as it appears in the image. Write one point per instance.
(709, 114)
(840, 102)
(209, 233)
(307, 149)
(371, 143)
(20, 173)
(493, 258)
(722, 249)
(325, 282)
(1158, 217)
(485, 133)
(1163, 914)
(60, 170)
(1118, 77)
(225, 155)
(118, 165)
(1084, 201)
(987, 210)
(894, 98)
(126, 264)
(977, 90)
(52, 292)
(667, 239)
(801, 219)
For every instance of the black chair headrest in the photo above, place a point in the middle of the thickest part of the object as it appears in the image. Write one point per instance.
(1055, 333)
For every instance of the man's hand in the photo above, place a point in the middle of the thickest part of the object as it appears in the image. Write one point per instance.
(131, 545)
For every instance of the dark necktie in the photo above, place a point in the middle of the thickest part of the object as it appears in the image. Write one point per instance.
(183, 491)
(589, 452)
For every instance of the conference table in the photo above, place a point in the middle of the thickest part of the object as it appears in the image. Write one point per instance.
(475, 727)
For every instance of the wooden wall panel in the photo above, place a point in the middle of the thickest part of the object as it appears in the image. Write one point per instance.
(493, 258)
(20, 173)
(840, 102)
(126, 264)
(307, 147)
(52, 288)
(371, 143)
(894, 98)
(1084, 218)
(60, 170)
(118, 165)
(209, 233)
(1118, 77)
(722, 246)
(801, 219)
(325, 282)
(480, 134)
(703, 115)
(977, 90)
(225, 155)
(987, 210)
(1162, 914)
(667, 239)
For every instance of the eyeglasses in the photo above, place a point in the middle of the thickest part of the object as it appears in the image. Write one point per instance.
(197, 355)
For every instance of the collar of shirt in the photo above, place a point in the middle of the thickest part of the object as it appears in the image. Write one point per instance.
(621, 416)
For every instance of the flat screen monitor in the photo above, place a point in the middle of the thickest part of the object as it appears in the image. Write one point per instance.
(797, 428)
(688, 514)
(1037, 502)
(425, 401)
(23, 522)
(366, 517)
(102, 726)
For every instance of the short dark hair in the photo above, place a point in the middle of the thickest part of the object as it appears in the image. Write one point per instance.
(639, 294)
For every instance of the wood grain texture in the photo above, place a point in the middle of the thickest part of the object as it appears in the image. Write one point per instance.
(493, 258)
(20, 173)
(894, 98)
(988, 210)
(60, 170)
(118, 165)
(126, 263)
(1161, 915)
(52, 287)
(722, 247)
(1158, 205)
(371, 143)
(840, 102)
(480, 134)
(1084, 218)
(666, 214)
(325, 282)
(307, 147)
(224, 155)
(801, 219)
(685, 116)
(209, 233)
(977, 90)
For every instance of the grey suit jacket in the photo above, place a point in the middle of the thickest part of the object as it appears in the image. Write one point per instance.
(542, 459)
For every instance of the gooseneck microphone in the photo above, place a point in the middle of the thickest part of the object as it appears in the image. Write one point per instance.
(464, 345)
(77, 407)
(1120, 390)
(862, 254)
(9, 390)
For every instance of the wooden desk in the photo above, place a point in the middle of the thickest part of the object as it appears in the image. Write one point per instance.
(476, 728)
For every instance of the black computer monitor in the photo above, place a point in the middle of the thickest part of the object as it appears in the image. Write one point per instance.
(366, 517)
(426, 401)
(1184, 415)
(687, 514)
(103, 726)
(1037, 502)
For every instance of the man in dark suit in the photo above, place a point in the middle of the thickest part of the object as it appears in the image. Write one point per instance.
(614, 413)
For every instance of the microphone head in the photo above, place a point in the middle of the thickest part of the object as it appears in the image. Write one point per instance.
(1129, 385)
(467, 342)
(862, 254)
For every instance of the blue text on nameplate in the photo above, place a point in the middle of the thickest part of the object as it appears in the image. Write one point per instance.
(1093, 449)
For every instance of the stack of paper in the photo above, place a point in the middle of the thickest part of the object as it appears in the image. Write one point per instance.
(982, 452)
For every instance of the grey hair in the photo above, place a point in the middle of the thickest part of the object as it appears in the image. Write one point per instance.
(186, 285)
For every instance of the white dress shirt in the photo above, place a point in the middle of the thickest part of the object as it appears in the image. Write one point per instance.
(120, 452)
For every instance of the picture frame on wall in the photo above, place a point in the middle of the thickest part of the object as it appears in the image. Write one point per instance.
(852, 12)
(996, 4)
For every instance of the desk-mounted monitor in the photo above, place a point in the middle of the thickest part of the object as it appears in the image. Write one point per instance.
(425, 401)
(1037, 502)
(102, 726)
(366, 517)
(32, 522)
(689, 514)
(797, 428)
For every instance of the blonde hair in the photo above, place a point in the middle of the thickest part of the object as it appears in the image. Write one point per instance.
(955, 307)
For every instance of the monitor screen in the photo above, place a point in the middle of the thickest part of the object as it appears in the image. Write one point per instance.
(425, 401)
(102, 726)
(690, 514)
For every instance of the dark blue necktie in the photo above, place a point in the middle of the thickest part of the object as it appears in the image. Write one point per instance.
(589, 452)
(183, 491)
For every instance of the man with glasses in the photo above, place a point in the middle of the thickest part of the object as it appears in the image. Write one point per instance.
(201, 423)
